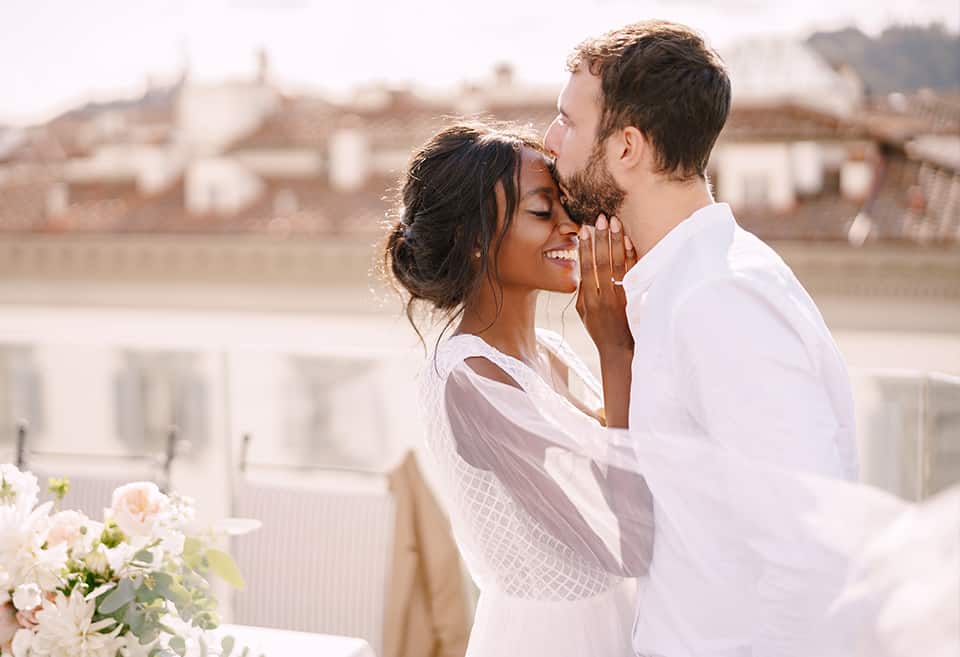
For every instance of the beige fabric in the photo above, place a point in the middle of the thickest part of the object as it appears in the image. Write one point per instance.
(426, 614)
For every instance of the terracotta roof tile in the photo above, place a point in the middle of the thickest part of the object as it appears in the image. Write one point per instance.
(787, 122)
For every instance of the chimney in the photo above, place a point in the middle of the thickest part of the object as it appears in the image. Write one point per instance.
(58, 198)
(856, 176)
(503, 73)
(349, 158)
(263, 66)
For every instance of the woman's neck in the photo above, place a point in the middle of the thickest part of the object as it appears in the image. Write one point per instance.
(512, 330)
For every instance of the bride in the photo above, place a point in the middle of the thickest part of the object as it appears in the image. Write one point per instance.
(555, 507)
(549, 585)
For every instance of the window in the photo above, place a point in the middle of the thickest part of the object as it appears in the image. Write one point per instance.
(756, 190)
(334, 411)
(154, 390)
(21, 392)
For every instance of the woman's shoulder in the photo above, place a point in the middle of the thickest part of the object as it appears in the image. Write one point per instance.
(479, 356)
(458, 348)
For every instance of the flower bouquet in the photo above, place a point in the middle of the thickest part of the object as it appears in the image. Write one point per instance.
(134, 584)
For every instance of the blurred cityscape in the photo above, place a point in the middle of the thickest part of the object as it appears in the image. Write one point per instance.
(204, 257)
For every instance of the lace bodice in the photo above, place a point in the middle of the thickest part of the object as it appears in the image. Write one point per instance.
(503, 545)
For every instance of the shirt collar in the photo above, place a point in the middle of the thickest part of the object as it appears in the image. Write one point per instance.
(642, 274)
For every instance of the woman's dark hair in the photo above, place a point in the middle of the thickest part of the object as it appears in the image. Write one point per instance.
(447, 212)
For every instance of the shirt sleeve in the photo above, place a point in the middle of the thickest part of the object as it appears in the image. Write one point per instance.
(754, 382)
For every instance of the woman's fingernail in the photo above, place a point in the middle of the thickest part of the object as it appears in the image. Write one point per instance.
(584, 233)
(614, 225)
(627, 244)
(601, 223)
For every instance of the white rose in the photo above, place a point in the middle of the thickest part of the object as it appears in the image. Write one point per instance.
(67, 527)
(138, 507)
(26, 596)
(22, 641)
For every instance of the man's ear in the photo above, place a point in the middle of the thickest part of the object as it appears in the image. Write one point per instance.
(633, 147)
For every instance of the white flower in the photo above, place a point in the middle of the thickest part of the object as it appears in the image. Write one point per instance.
(191, 634)
(120, 556)
(183, 511)
(47, 568)
(22, 642)
(22, 556)
(18, 489)
(130, 646)
(74, 529)
(27, 596)
(138, 508)
(172, 544)
(67, 629)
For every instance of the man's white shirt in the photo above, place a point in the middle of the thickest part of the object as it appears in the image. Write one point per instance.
(729, 349)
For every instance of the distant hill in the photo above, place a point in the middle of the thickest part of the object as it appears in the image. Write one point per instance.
(903, 58)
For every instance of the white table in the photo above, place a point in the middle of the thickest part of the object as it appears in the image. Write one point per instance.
(287, 643)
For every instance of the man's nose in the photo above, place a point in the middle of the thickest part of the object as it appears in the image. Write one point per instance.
(548, 138)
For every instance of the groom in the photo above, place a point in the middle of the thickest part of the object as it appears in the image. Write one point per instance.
(729, 347)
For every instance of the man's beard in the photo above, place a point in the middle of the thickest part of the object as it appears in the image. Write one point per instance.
(592, 191)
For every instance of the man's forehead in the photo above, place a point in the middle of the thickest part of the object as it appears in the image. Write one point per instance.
(582, 88)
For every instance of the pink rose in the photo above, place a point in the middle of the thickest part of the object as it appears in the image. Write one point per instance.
(65, 528)
(136, 507)
(8, 625)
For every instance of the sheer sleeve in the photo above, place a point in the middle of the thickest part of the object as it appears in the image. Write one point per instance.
(604, 513)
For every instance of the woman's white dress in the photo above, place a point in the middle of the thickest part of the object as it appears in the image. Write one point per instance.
(537, 595)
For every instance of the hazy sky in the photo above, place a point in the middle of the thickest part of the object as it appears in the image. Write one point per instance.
(55, 54)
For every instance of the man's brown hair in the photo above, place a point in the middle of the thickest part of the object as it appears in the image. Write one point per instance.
(661, 78)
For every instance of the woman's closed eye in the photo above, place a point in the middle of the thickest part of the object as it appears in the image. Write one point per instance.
(546, 214)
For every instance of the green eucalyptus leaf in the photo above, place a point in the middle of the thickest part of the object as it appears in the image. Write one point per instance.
(134, 618)
(192, 546)
(149, 635)
(225, 567)
(118, 597)
(178, 645)
(144, 556)
(147, 595)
